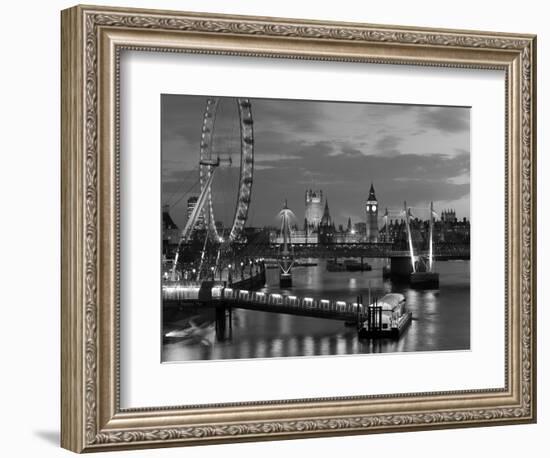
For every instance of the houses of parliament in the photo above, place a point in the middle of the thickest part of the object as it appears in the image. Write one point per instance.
(320, 228)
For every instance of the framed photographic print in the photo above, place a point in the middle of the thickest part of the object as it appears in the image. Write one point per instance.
(278, 228)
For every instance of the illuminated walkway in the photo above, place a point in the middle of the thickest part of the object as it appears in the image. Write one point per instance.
(215, 294)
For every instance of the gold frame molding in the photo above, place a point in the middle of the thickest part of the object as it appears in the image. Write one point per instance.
(92, 39)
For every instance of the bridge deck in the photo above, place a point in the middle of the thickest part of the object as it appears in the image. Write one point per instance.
(265, 302)
(369, 250)
(293, 305)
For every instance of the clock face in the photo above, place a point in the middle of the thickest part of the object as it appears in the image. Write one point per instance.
(368, 208)
(374, 208)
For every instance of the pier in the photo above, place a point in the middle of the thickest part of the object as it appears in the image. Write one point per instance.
(218, 295)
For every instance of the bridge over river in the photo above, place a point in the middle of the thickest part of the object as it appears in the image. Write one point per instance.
(212, 294)
(441, 252)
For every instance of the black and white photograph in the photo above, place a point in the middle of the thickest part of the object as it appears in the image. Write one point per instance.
(305, 228)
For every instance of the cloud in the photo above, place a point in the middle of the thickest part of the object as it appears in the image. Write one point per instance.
(463, 151)
(445, 119)
(263, 167)
(388, 144)
(346, 150)
(273, 157)
(460, 179)
(304, 118)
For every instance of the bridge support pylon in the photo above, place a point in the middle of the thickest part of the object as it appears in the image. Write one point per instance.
(286, 260)
(400, 270)
(285, 278)
(224, 322)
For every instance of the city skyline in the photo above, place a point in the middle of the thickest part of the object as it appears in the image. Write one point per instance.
(300, 222)
(413, 153)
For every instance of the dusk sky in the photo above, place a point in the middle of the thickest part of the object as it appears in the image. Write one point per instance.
(409, 152)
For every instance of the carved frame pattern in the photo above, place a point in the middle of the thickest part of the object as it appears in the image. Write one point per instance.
(89, 22)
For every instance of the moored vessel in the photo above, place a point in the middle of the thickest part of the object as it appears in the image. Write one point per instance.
(335, 266)
(386, 317)
(353, 265)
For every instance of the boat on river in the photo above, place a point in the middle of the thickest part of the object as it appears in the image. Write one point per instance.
(348, 265)
(335, 266)
(386, 317)
(353, 265)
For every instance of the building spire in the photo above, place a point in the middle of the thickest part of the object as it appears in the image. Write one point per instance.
(326, 220)
(326, 212)
(372, 195)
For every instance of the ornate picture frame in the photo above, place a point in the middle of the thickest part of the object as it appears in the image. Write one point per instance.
(92, 40)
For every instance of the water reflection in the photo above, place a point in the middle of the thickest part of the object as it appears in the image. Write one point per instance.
(441, 319)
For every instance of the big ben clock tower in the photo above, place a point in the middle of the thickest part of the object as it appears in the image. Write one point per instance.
(371, 209)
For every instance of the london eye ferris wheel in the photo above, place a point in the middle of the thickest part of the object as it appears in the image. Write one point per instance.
(212, 151)
(218, 195)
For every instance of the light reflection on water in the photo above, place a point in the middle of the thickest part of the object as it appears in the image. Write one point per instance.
(441, 319)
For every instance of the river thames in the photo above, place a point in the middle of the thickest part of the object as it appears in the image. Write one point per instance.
(441, 319)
